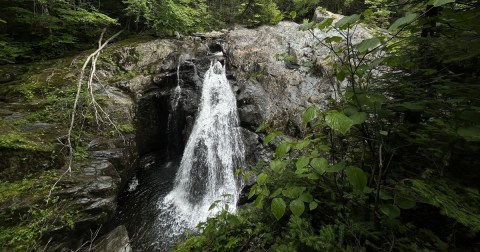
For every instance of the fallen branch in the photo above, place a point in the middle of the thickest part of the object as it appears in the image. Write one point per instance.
(92, 61)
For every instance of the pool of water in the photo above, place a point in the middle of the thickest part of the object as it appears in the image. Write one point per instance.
(139, 208)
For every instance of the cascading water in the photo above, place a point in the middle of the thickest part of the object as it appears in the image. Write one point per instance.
(213, 151)
(177, 92)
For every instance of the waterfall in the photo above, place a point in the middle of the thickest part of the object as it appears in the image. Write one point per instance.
(172, 124)
(213, 151)
(177, 92)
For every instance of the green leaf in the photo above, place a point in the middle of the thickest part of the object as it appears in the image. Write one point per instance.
(278, 207)
(293, 192)
(390, 211)
(336, 167)
(213, 205)
(302, 162)
(261, 127)
(313, 176)
(306, 26)
(437, 3)
(323, 148)
(470, 133)
(320, 165)
(252, 191)
(246, 175)
(325, 23)
(366, 44)
(309, 114)
(276, 193)
(338, 121)
(333, 39)
(345, 22)
(297, 207)
(359, 117)
(313, 205)
(301, 144)
(402, 21)
(292, 14)
(262, 177)
(404, 203)
(282, 149)
(341, 75)
(385, 195)
(357, 178)
(306, 197)
(270, 137)
(277, 165)
(259, 201)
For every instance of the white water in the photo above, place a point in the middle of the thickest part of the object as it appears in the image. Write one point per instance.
(213, 152)
(177, 92)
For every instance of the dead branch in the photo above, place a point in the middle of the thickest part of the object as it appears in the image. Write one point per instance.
(90, 61)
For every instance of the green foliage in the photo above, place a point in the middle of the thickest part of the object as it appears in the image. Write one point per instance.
(463, 207)
(338, 121)
(26, 216)
(126, 128)
(35, 30)
(395, 157)
(301, 8)
(278, 207)
(45, 29)
(16, 141)
(167, 17)
(357, 178)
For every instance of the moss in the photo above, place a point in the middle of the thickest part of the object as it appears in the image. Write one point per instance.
(31, 185)
(26, 216)
(15, 141)
(126, 128)
(255, 75)
(129, 42)
(36, 114)
(124, 75)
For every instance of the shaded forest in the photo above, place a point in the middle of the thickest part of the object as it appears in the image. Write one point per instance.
(391, 165)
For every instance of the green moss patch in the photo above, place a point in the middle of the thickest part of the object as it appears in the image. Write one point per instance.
(27, 217)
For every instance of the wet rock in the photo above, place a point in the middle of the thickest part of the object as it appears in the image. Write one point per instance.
(255, 151)
(115, 241)
(253, 103)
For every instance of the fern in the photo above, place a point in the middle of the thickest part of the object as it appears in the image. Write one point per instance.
(459, 203)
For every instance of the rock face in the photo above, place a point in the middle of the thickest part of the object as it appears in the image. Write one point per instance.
(115, 241)
(280, 72)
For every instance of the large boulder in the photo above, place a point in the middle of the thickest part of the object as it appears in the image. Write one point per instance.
(115, 241)
(280, 71)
